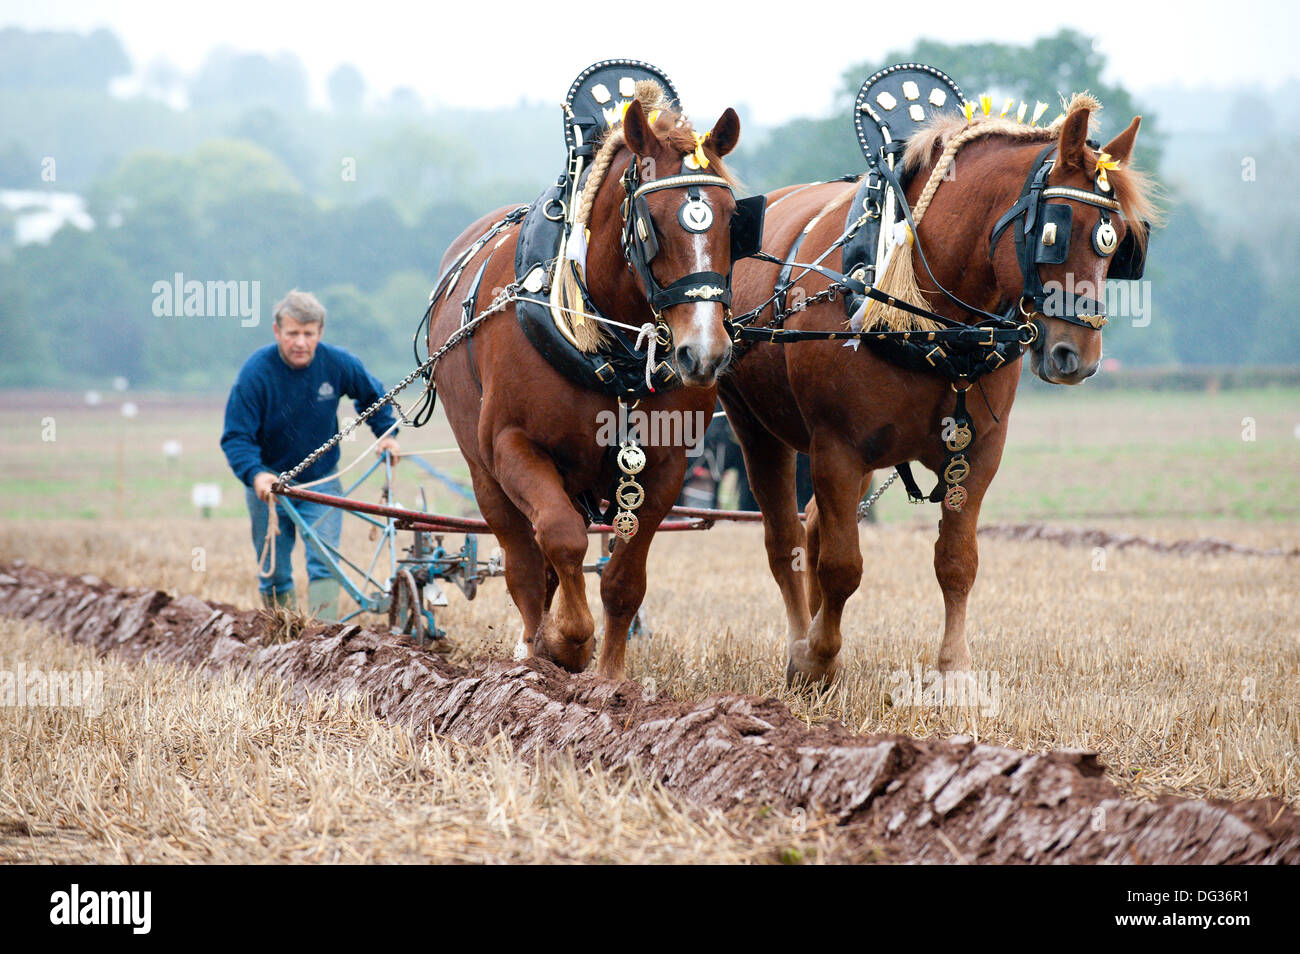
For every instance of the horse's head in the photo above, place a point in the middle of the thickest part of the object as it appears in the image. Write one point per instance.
(678, 214)
(1085, 221)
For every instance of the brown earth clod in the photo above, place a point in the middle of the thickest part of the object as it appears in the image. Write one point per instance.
(918, 800)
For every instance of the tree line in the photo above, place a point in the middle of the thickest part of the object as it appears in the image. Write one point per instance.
(230, 176)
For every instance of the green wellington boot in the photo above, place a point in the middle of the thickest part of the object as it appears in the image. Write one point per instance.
(323, 599)
(285, 599)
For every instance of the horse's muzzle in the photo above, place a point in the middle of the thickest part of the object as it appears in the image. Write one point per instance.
(700, 368)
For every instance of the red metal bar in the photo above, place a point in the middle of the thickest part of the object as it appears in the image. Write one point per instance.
(742, 516)
(347, 503)
(437, 523)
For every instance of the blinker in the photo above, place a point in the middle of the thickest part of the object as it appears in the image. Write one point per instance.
(1054, 239)
(1130, 258)
(747, 227)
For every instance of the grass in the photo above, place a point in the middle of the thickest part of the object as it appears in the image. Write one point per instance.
(1071, 454)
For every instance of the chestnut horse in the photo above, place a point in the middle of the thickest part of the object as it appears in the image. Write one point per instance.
(853, 411)
(531, 436)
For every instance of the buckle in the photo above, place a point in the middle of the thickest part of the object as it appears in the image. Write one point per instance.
(601, 371)
(935, 350)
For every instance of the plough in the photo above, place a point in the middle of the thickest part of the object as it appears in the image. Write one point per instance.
(411, 589)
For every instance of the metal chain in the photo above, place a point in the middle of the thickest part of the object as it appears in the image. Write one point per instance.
(865, 507)
(498, 304)
(826, 294)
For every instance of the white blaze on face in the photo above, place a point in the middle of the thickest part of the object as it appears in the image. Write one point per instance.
(706, 331)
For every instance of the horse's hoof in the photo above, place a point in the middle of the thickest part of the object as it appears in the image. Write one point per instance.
(549, 642)
(571, 656)
(804, 669)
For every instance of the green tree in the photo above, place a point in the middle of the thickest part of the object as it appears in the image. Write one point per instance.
(347, 88)
(237, 78)
(60, 59)
(1046, 69)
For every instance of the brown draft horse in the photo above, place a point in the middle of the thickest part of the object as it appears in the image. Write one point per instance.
(854, 411)
(530, 436)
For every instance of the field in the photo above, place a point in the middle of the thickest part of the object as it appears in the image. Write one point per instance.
(1182, 671)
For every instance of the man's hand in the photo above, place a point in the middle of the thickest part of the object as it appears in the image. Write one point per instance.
(389, 444)
(263, 483)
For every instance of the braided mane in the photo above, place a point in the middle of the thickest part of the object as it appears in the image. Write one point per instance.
(946, 135)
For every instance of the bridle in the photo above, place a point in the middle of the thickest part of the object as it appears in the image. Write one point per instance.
(1043, 238)
(641, 240)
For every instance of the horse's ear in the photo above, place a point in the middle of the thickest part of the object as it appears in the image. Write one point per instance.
(725, 133)
(1121, 147)
(1074, 136)
(637, 133)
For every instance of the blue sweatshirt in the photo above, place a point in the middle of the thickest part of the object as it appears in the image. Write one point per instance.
(277, 415)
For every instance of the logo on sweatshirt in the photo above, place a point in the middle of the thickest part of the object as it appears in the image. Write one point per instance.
(326, 391)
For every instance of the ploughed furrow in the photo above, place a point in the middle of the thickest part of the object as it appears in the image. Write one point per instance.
(922, 800)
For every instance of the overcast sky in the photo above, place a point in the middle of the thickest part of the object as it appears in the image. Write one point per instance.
(779, 58)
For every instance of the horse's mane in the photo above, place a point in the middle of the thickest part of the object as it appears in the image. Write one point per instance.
(1133, 188)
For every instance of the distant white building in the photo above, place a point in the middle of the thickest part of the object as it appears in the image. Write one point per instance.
(37, 216)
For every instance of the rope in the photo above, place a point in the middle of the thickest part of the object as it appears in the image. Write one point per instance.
(272, 531)
(340, 473)
(650, 332)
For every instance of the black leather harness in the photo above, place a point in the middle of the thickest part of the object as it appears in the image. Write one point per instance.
(960, 353)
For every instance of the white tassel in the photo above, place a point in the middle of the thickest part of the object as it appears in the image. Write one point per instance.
(576, 249)
(855, 323)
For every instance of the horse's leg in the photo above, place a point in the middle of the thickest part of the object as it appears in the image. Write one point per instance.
(770, 464)
(526, 568)
(565, 632)
(812, 523)
(623, 581)
(837, 471)
(956, 553)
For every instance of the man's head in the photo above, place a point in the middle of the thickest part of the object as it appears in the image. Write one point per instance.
(299, 321)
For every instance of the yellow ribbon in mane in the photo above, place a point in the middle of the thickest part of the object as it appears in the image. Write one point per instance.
(700, 158)
(1105, 162)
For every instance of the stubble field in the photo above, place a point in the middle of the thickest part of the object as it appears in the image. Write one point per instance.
(1182, 671)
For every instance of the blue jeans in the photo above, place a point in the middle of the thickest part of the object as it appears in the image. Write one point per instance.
(329, 527)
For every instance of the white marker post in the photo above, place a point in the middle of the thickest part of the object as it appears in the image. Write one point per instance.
(205, 497)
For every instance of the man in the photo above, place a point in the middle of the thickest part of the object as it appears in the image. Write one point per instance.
(283, 406)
